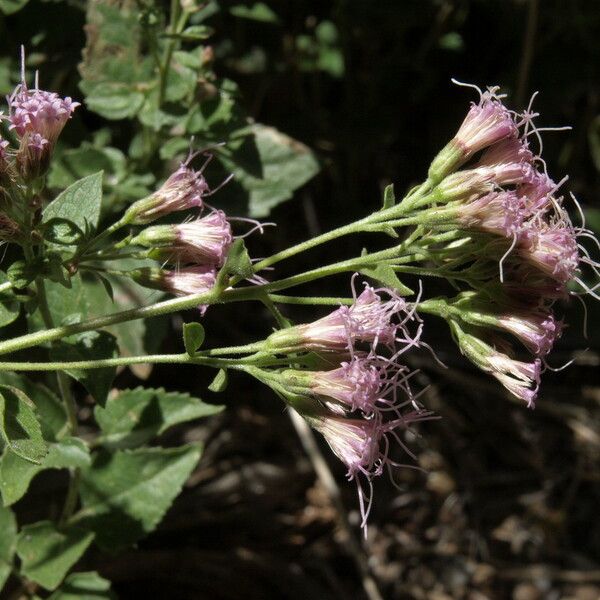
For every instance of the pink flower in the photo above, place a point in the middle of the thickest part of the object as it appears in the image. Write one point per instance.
(522, 379)
(39, 112)
(500, 213)
(537, 330)
(509, 151)
(363, 446)
(552, 248)
(537, 193)
(183, 190)
(204, 241)
(191, 280)
(37, 117)
(486, 123)
(369, 319)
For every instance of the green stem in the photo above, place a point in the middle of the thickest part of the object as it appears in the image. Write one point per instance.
(176, 25)
(373, 222)
(123, 361)
(310, 300)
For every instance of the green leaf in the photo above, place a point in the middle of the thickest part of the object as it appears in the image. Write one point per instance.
(21, 274)
(126, 494)
(238, 261)
(219, 383)
(16, 474)
(193, 337)
(75, 163)
(47, 553)
(385, 275)
(8, 542)
(134, 337)
(79, 204)
(8, 7)
(259, 11)
(84, 586)
(91, 345)
(50, 410)
(9, 308)
(115, 100)
(389, 198)
(194, 33)
(67, 306)
(19, 426)
(133, 417)
(270, 166)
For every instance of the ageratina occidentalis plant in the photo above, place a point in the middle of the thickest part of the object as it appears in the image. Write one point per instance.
(488, 219)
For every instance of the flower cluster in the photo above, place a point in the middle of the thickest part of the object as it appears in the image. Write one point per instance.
(509, 213)
(36, 117)
(196, 248)
(361, 403)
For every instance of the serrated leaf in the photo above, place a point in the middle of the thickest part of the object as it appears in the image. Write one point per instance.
(389, 198)
(193, 337)
(47, 553)
(219, 383)
(270, 166)
(126, 494)
(133, 417)
(19, 427)
(84, 586)
(386, 275)
(16, 474)
(80, 203)
(91, 345)
(8, 542)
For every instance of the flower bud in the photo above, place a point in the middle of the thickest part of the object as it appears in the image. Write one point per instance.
(204, 241)
(183, 190)
(486, 123)
(522, 379)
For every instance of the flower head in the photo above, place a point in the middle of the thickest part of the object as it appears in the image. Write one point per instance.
(486, 123)
(37, 117)
(537, 330)
(363, 446)
(369, 319)
(552, 248)
(522, 379)
(184, 189)
(500, 213)
(190, 280)
(203, 241)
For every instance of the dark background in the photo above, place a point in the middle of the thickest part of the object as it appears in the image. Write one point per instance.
(508, 505)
